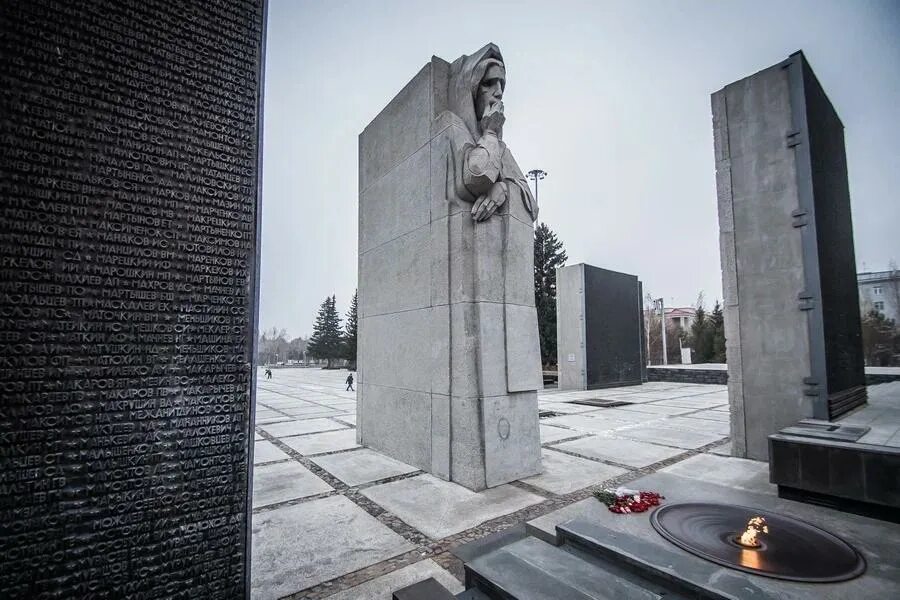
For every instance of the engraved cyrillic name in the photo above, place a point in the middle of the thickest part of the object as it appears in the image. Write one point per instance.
(128, 173)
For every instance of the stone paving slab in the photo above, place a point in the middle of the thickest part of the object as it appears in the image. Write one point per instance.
(720, 428)
(299, 546)
(319, 414)
(439, 508)
(622, 415)
(264, 452)
(632, 398)
(271, 420)
(670, 436)
(382, 587)
(563, 473)
(696, 402)
(348, 418)
(318, 443)
(588, 423)
(656, 409)
(732, 472)
(362, 466)
(710, 415)
(290, 428)
(723, 450)
(549, 433)
(283, 481)
(623, 451)
(565, 407)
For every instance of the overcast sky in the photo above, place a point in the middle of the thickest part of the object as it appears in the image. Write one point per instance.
(610, 98)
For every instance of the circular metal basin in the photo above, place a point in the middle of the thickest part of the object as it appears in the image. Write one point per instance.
(793, 550)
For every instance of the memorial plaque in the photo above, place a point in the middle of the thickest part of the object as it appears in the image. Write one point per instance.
(128, 283)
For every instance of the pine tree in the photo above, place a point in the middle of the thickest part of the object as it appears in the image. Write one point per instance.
(326, 341)
(548, 256)
(700, 339)
(718, 333)
(350, 331)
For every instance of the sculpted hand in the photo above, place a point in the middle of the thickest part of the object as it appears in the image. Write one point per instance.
(488, 204)
(493, 118)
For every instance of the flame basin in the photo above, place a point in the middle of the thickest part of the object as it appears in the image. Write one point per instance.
(794, 550)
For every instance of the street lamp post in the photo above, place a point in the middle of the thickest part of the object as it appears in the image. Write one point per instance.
(536, 175)
(660, 307)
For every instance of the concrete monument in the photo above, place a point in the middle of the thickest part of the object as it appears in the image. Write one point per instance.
(788, 269)
(448, 358)
(599, 325)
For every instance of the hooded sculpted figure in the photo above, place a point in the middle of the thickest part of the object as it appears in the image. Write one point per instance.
(486, 174)
(497, 241)
(448, 222)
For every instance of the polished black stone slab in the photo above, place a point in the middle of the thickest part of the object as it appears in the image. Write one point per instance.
(129, 185)
(860, 478)
(614, 339)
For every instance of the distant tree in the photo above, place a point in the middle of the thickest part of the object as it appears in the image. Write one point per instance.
(894, 285)
(326, 341)
(548, 256)
(706, 336)
(272, 347)
(717, 322)
(297, 348)
(700, 335)
(350, 331)
(881, 339)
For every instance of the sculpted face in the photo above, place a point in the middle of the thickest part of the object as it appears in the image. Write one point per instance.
(490, 89)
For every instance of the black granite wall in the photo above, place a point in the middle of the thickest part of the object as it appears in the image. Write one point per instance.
(834, 229)
(613, 331)
(713, 376)
(128, 236)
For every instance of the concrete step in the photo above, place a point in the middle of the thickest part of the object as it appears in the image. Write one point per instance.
(530, 569)
(675, 573)
(428, 589)
(472, 594)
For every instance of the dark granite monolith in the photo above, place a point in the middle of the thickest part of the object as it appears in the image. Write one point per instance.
(600, 328)
(128, 285)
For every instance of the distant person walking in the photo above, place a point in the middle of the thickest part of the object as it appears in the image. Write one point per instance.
(268, 373)
(350, 383)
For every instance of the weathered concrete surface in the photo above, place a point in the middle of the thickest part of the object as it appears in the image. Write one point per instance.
(318, 443)
(337, 537)
(264, 452)
(570, 333)
(563, 473)
(283, 481)
(439, 508)
(627, 452)
(382, 587)
(300, 427)
(362, 466)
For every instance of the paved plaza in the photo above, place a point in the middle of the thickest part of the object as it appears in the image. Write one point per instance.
(334, 520)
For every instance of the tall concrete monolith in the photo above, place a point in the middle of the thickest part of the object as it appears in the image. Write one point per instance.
(448, 356)
(788, 268)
